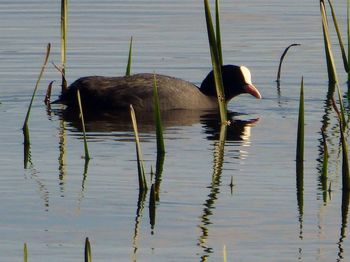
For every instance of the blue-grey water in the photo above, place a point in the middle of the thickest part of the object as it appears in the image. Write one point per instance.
(53, 204)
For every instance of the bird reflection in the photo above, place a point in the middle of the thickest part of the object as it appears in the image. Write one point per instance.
(114, 121)
(238, 131)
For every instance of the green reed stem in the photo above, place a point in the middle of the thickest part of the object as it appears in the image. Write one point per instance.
(48, 94)
(26, 137)
(157, 116)
(158, 174)
(332, 73)
(25, 125)
(281, 61)
(87, 156)
(64, 26)
(300, 136)
(87, 251)
(140, 166)
(215, 59)
(64, 12)
(218, 31)
(224, 253)
(300, 153)
(348, 34)
(25, 253)
(343, 53)
(128, 67)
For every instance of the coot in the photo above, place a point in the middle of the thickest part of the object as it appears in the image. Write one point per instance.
(99, 92)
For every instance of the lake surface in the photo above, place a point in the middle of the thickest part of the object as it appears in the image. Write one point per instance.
(54, 204)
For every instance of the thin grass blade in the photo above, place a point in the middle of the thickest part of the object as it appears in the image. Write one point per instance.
(25, 253)
(87, 250)
(216, 64)
(158, 174)
(128, 67)
(224, 253)
(48, 93)
(64, 12)
(140, 166)
(332, 73)
(342, 49)
(157, 116)
(218, 31)
(62, 71)
(64, 26)
(26, 135)
(48, 48)
(300, 155)
(86, 150)
(281, 61)
(348, 35)
(300, 135)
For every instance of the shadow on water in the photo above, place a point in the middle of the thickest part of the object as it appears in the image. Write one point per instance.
(42, 188)
(153, 199)
(323, 175)
(279, 94)
(322, 148)
(152, 208)
(81, 195)
(138, 219)
(27, 156)
(62, 144)
(62, 160)
(237, 131)
(62, 154)
(300, 194)
(344, 221)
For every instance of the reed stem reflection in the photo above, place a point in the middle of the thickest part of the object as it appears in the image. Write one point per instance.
(209, 205)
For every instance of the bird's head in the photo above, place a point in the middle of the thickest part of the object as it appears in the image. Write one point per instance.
(236, 79)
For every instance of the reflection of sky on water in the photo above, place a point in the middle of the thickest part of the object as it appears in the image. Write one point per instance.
(53, 206)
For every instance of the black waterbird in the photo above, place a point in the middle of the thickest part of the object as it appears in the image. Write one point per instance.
(100, 92)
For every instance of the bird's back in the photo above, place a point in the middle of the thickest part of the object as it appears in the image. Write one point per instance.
(119, 92)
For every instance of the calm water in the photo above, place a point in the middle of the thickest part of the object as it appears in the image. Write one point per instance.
(53, 204)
